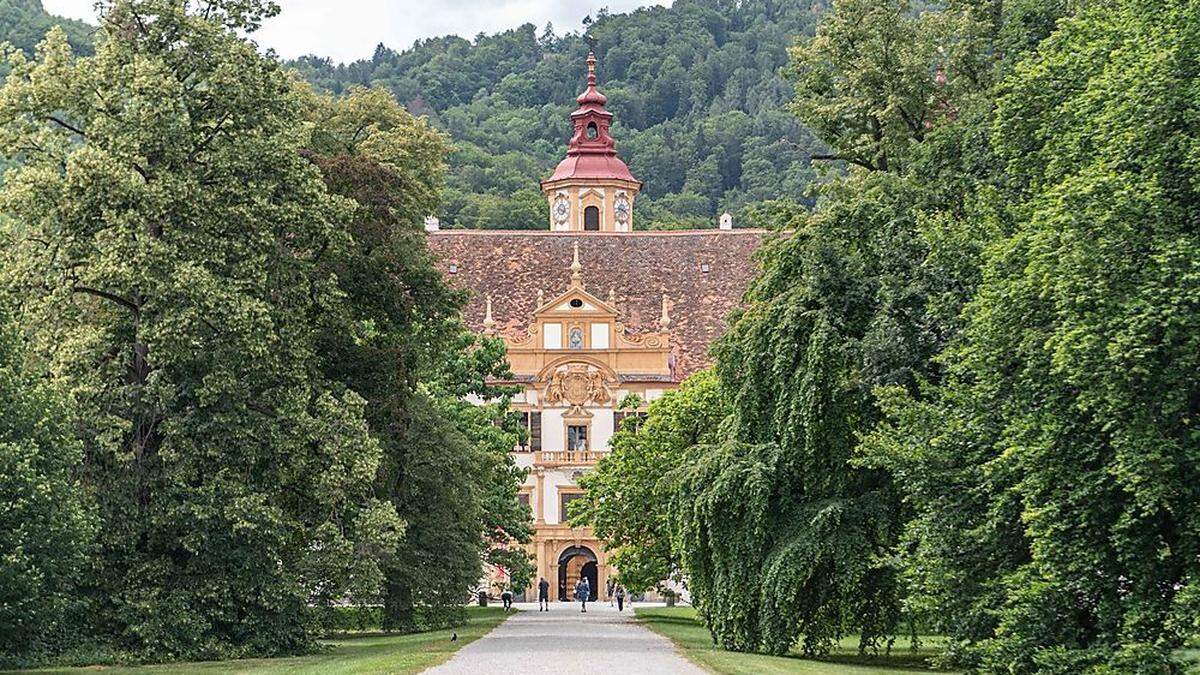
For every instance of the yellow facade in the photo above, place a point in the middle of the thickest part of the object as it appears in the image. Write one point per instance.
(575, 362)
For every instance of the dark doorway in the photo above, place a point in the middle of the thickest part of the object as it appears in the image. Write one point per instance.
(593, 576)
(591, 219)
(574, 562)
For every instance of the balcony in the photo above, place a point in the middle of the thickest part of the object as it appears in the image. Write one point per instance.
(553, 458)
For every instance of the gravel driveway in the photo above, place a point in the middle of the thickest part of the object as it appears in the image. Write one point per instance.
(564, 640)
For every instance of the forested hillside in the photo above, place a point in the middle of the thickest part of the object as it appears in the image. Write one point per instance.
(24, 23)
(699, 90)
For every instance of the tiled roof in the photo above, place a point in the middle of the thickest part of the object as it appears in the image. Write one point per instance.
(511, 266)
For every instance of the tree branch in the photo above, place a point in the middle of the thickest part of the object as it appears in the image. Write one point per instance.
(65, 125)
(107, 296)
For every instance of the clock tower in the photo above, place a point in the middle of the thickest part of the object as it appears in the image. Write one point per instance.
(591, 190)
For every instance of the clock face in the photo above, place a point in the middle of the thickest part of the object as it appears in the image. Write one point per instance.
(622, 208)
(561, 210)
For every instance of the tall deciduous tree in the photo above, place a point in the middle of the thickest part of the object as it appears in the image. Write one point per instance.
(1056, 475)
(447, 467)
(169, 271)
(786, 536)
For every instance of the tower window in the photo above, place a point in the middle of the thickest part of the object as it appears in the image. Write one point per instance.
(591, 218)
(592, 131)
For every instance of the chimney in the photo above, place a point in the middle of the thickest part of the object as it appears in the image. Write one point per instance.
(726, 221)
(432, 224)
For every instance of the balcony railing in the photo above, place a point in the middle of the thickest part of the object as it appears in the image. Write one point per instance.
(566, 457)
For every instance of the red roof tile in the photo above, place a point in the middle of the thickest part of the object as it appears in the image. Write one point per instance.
(511, 266)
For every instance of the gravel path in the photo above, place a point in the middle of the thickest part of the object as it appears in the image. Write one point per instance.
(564, 640)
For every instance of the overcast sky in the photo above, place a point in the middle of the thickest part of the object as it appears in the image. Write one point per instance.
(345, 30)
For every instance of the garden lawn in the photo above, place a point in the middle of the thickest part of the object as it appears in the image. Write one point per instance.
(377, 653)
(679, 624)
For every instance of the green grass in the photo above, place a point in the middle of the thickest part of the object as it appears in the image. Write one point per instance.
(679, 624)
(370, 654)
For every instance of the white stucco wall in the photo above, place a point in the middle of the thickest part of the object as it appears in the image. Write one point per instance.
(555, 482)
(553, 432)
(602, 428)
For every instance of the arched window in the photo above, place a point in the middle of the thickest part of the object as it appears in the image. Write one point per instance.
(592, 131)
(591, 218)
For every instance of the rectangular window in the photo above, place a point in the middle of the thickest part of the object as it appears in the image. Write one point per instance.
(599, 336)
(552, 336)
(577, 438)
(523, 498)
(622, 414)
(564, 504)
(535, 431)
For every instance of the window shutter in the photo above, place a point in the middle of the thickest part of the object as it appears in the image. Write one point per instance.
(535, 431)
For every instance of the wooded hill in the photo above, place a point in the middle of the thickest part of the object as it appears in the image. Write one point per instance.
(699, 91)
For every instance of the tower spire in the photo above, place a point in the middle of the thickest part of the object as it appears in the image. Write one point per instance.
(591, 162)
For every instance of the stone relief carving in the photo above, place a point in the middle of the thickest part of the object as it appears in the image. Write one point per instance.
(577, 386)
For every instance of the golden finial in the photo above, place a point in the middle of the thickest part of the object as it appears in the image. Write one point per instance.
(489, 324)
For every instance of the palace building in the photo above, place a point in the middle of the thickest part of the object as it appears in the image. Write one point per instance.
(591, 311)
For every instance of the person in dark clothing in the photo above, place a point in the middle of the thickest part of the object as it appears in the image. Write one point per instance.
(543, 595)
(583, 593)
(506, 597)
(620, 598)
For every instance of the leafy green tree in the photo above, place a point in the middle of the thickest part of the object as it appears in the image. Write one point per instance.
(46, 526)
(446, 467)
(627, 497)
(783, 534)
(168, 270)
(1055, 473)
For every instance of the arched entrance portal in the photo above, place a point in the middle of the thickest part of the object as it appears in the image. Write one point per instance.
(573, 563)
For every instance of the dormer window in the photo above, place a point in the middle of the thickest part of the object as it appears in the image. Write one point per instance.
(592, 131)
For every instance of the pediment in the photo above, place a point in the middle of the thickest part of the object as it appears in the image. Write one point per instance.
(576, 301)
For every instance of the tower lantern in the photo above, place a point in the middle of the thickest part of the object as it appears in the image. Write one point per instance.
(591, 189)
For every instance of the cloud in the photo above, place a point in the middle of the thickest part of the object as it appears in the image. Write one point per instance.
(346, 30)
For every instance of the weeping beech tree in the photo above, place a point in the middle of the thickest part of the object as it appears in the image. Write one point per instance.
(785, 534)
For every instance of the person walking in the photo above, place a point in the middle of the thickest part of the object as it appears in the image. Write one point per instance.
(506, 598)
(543, 595)
(583, 593)
(608, 590)
(620, 598)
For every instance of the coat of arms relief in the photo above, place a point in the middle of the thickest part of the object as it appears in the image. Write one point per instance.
(578, 385)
